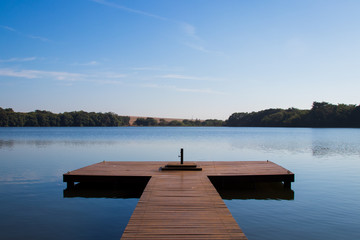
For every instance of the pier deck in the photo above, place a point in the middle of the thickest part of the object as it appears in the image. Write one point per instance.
(181, 204)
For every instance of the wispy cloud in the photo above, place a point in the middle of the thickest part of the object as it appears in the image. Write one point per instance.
(189, 30)
(7, 28)
(99, 77)
(184, 77)
(201, 48)
(160, 68)
(177, 89)
(196, 47)
(148, 69)
(207, 90)
(27, 59)
(105, 81)
(106, 78)
(24, 34)
(31, 74)
(114, 5)
(193, 40)
(22, 73)
(145, 69)
(91, 63)
(36, 37)
(111, 75)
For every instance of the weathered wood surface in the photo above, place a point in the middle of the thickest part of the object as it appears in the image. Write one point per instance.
(181, 204)
(151, 168)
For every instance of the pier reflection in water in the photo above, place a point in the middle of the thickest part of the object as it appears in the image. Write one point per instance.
(257, 191)
(103, 190)
(245, 191)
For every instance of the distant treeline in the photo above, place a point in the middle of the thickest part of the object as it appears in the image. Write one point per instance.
(39, 118)
(9, 118)
(322, 114)
(177, 123)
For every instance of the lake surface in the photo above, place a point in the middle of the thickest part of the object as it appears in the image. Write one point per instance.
(325, 202)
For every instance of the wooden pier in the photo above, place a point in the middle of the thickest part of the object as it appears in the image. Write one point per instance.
(180, 204)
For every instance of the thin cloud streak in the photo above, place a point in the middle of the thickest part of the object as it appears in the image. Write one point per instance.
(22, 73)
(101, 78)
(114, 5)
(24, 34)
(8, 28)
(194, 42)
(160, 68)
(184, 77)
(31, 74)
(91, 63)
(187, 28)
(201, 48)
(146, 69)
(209, 91)
(177, 89)
(28, 59)
(37, 37)
(111, 75)
(149, 69)
(196, 47)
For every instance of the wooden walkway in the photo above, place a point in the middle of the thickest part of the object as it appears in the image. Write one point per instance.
(181, 204)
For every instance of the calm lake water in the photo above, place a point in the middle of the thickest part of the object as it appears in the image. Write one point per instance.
(324, 204)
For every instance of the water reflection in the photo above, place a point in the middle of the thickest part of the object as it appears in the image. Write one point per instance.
(245, 191)
(258, 191)
(322, 149)
(318, 142)
(98, 190)
(7, 143)
(44, 143)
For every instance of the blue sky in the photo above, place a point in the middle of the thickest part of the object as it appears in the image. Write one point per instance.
(186, 59)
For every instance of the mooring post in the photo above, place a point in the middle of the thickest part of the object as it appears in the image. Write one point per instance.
(182, 156)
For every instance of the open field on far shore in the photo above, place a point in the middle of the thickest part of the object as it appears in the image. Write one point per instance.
(133, 119)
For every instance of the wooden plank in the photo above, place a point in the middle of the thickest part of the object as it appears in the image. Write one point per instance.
(181, 204)
(151, 168)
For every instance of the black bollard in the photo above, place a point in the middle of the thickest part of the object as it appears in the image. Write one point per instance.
(181, 156)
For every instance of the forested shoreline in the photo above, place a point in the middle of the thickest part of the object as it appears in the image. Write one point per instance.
(39, 118)
(322, 114)
(177, 123)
